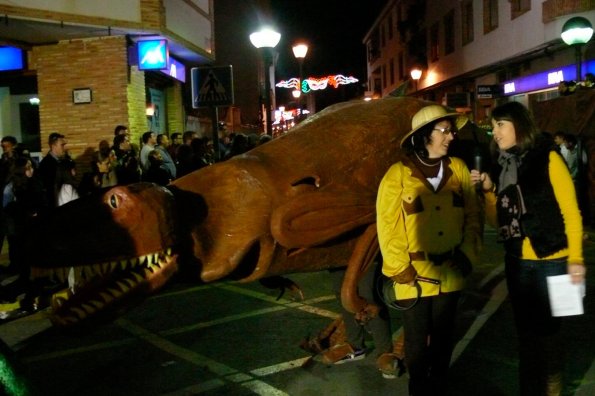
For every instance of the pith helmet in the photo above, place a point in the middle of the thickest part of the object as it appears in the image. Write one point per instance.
(432, 113)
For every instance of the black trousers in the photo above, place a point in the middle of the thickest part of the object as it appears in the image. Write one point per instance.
(541, 346)
(429, 339)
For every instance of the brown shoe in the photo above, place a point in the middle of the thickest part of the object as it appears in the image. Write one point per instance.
(341, 353)
(390, 365)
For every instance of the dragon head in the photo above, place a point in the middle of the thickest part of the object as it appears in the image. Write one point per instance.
(111, 247)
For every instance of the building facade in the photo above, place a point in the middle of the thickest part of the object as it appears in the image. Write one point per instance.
(83, 74)
(473, 53)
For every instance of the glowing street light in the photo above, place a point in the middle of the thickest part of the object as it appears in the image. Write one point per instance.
(266, 39)
(576, 32)
(299, 51)
(416, 75)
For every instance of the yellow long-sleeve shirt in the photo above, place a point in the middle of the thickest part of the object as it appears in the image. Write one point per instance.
(566, 197)
(413, 218)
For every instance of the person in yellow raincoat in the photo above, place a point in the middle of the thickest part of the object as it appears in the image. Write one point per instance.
(429, 231)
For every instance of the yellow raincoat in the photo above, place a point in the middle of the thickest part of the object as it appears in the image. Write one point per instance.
(414, 221)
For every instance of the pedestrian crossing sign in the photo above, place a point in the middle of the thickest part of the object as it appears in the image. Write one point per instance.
(212, 86)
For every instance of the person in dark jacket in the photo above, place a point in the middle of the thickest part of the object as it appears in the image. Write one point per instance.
(531, 200)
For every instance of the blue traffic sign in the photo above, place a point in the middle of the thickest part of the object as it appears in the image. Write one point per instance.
(212, 86)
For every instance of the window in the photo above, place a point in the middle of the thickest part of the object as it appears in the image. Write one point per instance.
(519, 7)
(467, 21)
(449, 32)
(490, 15)
(382, 36)
(373, 47)
(392, 71)
(383, 76)
(434, 48)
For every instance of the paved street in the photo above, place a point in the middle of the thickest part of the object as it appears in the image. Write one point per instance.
(237, 339)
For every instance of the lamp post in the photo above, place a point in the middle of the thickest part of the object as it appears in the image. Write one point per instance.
(266, 39)
(299, 51)
(416, 75)
(577, 32)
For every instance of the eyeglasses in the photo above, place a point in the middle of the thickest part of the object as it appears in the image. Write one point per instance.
(446, 131)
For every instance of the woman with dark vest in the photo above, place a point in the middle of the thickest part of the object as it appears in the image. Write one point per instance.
(531, 200)
(429, 233)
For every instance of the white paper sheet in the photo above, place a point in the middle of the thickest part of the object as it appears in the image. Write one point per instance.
(566, 298)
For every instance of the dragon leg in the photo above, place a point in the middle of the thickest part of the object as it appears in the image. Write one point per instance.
(364, 253)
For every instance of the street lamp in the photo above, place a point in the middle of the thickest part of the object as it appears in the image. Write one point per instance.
(299, 51)
(266, 39)
(577, 32)
(416, 75)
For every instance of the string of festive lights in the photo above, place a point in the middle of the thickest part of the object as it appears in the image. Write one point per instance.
(316, 84)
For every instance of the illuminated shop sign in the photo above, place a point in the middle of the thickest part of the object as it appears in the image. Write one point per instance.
(175, 70)
(546, 79)
(152, 54)
(11, 58)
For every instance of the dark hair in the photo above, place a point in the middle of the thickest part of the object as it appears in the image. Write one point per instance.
(9, 139)
(64, 173)
(160, 138)
(188, 135)
(418, 141)
(120, 128)
(155, 158)
(54, 137)
(525, 129)
(147, 136)
(18, 176)
(118, 140)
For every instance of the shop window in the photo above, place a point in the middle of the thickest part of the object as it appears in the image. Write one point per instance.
(449, 32)
(490, 15)
(467, 21)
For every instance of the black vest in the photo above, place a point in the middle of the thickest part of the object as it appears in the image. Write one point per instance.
(542, 223)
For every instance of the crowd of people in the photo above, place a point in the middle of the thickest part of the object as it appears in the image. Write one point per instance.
(30, 188)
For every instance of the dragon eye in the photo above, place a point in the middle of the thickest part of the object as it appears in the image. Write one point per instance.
(113, 201)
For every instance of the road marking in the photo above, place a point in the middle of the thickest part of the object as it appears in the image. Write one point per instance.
(498, 296)
(174, 349)
(277, 368)
(226, 319)
(256, 386)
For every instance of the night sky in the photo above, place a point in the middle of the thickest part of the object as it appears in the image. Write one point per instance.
(334, 31)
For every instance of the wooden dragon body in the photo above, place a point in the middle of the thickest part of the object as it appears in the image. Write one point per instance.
(302, 202)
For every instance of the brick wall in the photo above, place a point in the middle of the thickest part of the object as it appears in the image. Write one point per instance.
(137, 105)
(175, 113)
(152, 14)
(99, 64)
(553, 9)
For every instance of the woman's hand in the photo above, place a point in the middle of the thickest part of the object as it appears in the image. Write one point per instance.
(577, 273)
(483, 179)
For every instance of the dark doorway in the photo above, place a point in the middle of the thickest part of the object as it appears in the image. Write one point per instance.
(30, 136)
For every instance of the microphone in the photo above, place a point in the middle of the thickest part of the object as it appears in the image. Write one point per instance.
(478, 165)
(477, 161)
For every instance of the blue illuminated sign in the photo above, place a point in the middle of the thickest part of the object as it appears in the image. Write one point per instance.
(546, 79)
(175, 70)
(152, 54)
(11, 58)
